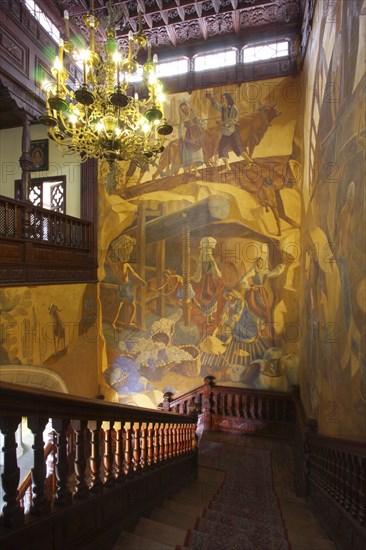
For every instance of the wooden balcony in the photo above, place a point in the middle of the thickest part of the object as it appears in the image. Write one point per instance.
(39, 246)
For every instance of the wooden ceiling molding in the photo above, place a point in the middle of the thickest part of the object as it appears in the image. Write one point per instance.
(193, 26)
(174, 28)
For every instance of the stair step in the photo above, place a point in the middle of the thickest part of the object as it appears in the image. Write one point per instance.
(192, 501)
(170, 517)
(211, 475)
(179, 507)
(307, 541)
(201, 494)
(293, 510)
(130, 541)
(161, 532)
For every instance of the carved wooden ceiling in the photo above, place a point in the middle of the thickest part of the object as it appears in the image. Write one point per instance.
(191, 26)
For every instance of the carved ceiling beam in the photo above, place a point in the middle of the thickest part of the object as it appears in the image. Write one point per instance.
(149, 21)
(203, 25)
(165, 16)
(216, 5)
(172, 35)
(236, 21)
(199, 9)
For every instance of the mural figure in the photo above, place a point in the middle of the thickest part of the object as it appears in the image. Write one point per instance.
(58, 329)
(230, 132)
(118, 255)
(236, 321)
(172, 287)
(268, 194)
(191, 134)
(343, 246)
(255, 293)
(208, 282)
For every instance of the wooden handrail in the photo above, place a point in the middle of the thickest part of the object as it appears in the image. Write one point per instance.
(112, 447)
(16, 398)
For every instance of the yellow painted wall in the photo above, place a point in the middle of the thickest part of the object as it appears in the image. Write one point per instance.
(333, 378)
(30, 334)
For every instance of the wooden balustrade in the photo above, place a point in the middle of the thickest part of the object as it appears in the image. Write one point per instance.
(40, 245)
(111, 447)
(241, 409)
(338, 468)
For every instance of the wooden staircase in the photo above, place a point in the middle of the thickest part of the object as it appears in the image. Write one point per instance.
(166, 527)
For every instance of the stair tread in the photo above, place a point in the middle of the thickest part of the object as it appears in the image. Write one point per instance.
(180, 507)
(131, 541)
(170, 517)
(160, 531)
(309, 541)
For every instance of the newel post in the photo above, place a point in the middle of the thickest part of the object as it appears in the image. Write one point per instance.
(167, 399)
(207, 418)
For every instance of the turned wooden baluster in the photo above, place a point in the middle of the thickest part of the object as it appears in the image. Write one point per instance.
(355, 505)
(127, 444)
(161, 443)
(337, 475)
(63, 495)
(136, 451)
(193, 439)
(184, 438)
(96, 485)
(13, 514)
(237, 405)
(260, 406)
(251, 407)
(342, 479)
(109, 479)
(39, 505)
(170, 441)
(144, 446)
(333, 460)
(174, 441)
(156, 445)
(180, 439)
(81, 488)
(333, 469)
(348, 498)
(119, 452)
(150, 444)
(166, 442)
(187, 435)
(362, 490)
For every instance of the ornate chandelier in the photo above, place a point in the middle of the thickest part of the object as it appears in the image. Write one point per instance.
(104, 117)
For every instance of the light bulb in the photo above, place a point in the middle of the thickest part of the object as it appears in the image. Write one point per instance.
(57, 64)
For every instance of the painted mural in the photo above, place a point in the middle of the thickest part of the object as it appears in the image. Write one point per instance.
(199, 251)
(333, 376)
(50, 329)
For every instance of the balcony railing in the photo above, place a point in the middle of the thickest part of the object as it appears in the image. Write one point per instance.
(42, 246)
(19, 220)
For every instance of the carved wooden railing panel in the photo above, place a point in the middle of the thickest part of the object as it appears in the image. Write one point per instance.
(115, 447)
(237, 409)
(337, 483)
(41, 246)
(19, 220)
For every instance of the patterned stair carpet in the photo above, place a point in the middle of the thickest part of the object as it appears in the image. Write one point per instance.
(244, 514)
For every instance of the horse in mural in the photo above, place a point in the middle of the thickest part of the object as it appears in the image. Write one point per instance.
(252, 129)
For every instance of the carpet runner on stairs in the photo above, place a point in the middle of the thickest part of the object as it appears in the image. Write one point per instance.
(245, 514)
